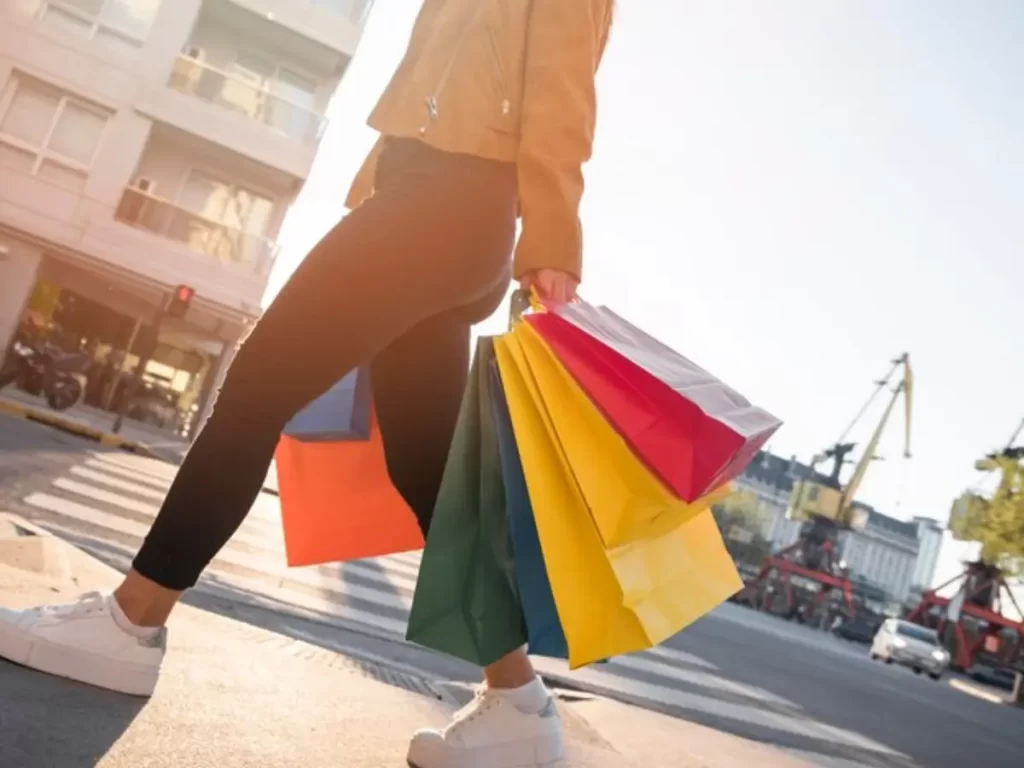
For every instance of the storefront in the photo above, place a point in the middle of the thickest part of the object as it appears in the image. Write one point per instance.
(114, 324)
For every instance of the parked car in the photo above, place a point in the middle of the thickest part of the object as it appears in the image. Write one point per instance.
(910, 645)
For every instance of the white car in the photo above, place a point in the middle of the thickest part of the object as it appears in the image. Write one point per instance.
(910, 645)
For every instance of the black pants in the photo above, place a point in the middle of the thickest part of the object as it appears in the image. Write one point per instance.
(396, 284)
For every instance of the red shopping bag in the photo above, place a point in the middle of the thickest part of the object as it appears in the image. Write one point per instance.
(691, 429)
(338, 503)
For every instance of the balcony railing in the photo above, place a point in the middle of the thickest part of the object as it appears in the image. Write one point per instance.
(227, 244)
(215, 86)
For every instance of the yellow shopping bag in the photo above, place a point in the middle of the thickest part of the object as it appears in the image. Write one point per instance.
(620, 600)
(626, 499)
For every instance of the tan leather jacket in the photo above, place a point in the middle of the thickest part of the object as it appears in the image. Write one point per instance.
(509, 80)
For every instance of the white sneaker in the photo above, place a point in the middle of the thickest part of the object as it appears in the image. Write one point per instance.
(83, 642)
(490, 732)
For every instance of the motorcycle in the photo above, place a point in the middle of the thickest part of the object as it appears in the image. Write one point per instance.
(41, 368)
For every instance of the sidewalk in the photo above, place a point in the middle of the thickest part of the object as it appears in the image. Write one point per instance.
(95, 424)
(238, 696)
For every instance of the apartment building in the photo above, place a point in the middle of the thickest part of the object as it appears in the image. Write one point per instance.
(150, 144)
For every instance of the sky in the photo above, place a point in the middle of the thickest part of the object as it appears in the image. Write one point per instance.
(792, 194)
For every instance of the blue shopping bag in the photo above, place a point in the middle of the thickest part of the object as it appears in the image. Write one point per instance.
(340, 413)
(544, 629)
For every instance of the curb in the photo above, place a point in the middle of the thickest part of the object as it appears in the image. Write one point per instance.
(78, 429)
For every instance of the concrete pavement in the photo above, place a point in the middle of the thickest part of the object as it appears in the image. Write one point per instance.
(233, 694)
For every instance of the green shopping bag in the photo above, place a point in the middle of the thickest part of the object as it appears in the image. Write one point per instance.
(466, 603)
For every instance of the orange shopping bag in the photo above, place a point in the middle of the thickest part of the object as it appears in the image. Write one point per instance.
(338, 503)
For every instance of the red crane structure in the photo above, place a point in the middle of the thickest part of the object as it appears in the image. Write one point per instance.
(804, 580)
(972, 622)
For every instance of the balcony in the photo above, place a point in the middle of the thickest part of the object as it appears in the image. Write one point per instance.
(204, 81)
(355, 11)
(334, 24)
(229, 245)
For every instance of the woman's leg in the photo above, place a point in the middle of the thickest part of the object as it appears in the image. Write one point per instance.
(437, 235)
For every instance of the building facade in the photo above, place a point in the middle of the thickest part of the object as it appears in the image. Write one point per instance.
(892, 555)
(148, 144)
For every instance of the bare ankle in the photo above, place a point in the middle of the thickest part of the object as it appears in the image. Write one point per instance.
(144, 602)
(513, 671)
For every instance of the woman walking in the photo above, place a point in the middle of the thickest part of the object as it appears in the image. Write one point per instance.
(489, 116)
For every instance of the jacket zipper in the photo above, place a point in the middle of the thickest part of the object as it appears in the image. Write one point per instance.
(505, 106)
(433, 113)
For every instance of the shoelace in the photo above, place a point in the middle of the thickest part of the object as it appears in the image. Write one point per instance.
(482, 701)
(90, 602)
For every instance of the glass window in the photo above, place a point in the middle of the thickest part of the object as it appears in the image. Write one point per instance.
(118, 22)
(30, 113)
(58, 132)
(77, 133)
(917, 632)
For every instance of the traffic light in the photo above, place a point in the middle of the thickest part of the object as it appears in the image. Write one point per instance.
(180, 301)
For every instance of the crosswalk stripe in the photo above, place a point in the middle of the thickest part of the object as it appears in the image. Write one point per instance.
(674, 654)
(130, 474)
(152, 468)
(309, 577)
(113, 482)
(398, 573)
(600, 678)
(694, 677)
(322, 606)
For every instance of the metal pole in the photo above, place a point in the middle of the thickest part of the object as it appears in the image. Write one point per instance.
(124, 362)
(133, 385)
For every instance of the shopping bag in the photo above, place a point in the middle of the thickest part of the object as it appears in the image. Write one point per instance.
(692, 430)
(340, 413)
(625, 499)
(543, 627)
(610, 601)
(338, 503)
(466, 603)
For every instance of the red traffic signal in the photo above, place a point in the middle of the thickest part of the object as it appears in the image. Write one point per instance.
(180, 301)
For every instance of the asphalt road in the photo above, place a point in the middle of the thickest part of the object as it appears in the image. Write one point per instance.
(903, 720)
(932, 723)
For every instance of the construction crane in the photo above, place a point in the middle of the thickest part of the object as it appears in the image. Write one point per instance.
(827, 508)
(972, 623)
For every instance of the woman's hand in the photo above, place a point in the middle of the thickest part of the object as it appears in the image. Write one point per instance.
(551, 284)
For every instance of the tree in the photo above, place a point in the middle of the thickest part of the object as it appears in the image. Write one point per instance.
(740, 516)
(996, 522)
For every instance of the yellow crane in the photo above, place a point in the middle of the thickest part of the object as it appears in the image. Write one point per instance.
(816, 497)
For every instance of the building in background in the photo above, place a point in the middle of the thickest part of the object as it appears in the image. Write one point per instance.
(890, 555)
(146, 144)
(930, 536)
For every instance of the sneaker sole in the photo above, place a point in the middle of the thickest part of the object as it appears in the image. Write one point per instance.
(44, 656)
(546, 752)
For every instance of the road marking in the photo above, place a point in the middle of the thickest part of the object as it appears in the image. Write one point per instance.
(130, 474)
(602, 678)
(114, 482)
(694, 677)
(311, 577)
(978, 693)
(214, 582)
(674, 654)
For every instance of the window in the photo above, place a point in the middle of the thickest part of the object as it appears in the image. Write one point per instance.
(47, 132)
(121, 23)
(916, 632)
